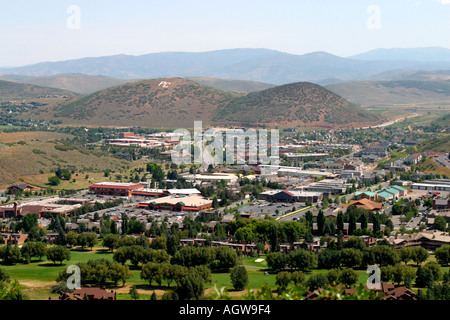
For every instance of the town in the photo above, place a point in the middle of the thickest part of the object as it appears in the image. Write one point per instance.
(334, 195)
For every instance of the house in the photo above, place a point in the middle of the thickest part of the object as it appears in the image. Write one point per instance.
(389, 292)
(13, 238)
(441, 204)
(23, 187)
(87, 294)
(413, 158)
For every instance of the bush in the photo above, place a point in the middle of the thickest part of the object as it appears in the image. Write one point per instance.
(239, 277)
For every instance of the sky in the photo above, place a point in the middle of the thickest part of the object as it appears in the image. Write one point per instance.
(55, 30)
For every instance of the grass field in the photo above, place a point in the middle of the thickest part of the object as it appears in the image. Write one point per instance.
(39, 276)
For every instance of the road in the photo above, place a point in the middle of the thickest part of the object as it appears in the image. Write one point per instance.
(392, 122)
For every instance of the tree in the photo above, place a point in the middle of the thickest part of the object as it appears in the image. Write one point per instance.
(302, 260)
(442, 254)
(134, 293)
(239, 277)
(440, 223)
(71, 238)
(340, 221)
(298, 277)
(384, 255)
(54, 181)
(350, 257)
(351, 222)
(355, 242)
(118, 272)
(276, 260)
(321, 222)
(328, 259)
(29, 221)
(225, 258)
(419, 255)
(406, 254)
(282, 280)
(33, 249)
(316, 281)
(58, 254)
(111, 241)
(348, 276)
(10, 254)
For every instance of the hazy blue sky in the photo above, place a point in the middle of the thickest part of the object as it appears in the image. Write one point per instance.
(48, 30)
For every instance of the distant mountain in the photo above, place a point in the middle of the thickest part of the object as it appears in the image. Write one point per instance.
(387, 93)
(425, 54)
(80, 83)
(406, 74)
(261, 65)
(302, 104)
(239, 86)
(10, 91)
(177, 103)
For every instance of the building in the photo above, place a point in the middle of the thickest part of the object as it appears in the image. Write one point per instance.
(24, 187)
(366, 204)
(328, 187)
(413, 158)
(13, 238)
(176, 203)
(366, 195)
(229, 178)
(290, 196)
(433, 185)
(430, 240)
(115, 188)
(441, 204)
(87, 294)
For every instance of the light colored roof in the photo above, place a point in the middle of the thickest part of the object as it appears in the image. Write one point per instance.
(189, 201)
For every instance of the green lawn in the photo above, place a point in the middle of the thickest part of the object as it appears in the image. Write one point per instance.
(38, 276)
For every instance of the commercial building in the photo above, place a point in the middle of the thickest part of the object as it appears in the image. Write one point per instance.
(433, 185)
(290, 196)
(115, 188)
(328, 187)
(176, 203)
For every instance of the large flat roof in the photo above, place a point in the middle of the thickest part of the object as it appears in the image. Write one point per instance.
(117, 185)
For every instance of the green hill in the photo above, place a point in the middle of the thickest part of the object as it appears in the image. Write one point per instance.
(300, 104)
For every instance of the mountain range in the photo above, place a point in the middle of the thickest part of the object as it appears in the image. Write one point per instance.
(261, 65)
(178, 102)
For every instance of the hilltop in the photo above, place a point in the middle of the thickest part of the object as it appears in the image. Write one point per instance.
(300, 104)
(156, 103)
(231, 85)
